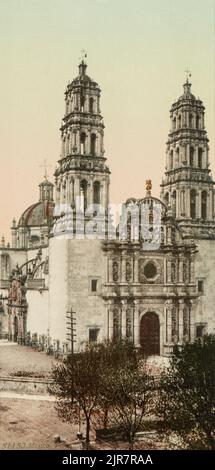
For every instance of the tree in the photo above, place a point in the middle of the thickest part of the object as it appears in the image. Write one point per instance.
(128, 392)
(187, 392)
(115, 356)
(80, 382)
(76, 385)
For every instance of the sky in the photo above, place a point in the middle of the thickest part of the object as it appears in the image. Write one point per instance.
(138, 51)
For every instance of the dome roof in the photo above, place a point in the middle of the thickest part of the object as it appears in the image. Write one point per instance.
(45, 182)
(83, 78)
(40, 213)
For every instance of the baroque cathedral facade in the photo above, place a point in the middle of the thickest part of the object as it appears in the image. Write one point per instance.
(60, 288)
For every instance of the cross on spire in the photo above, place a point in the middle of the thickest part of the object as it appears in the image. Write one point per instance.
(45, 166)
(83, 55)
(188, 74)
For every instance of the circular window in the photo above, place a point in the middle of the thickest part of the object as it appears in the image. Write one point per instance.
(150, 270)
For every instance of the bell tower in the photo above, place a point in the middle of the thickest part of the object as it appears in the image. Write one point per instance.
(187, 187)
(82, 169)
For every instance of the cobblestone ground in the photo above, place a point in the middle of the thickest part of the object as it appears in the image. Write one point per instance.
(14, 358)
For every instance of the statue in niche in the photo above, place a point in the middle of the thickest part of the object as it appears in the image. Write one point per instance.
(128, 271)
(115, 271)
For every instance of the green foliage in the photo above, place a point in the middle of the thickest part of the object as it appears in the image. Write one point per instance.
(187, 392)
(81, 383)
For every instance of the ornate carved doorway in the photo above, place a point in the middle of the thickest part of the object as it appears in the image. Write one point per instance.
(150, 334)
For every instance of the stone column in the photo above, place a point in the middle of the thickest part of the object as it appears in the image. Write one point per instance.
(168, 236)
(210, 205)
(78, 143)
(136, 269)
(192, 322)
(123, 318)
(168, 270)
(136, 324)
(110, 270)
(187, 208)
(168, 322)
(76, 187)
(192, 270)
(181, 269)
(123, 269)
(198, 204)
(110, 325)
(180, 321)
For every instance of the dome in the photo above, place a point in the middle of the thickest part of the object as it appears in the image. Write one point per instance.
(40, 213)
(46, 183)
(83, 78)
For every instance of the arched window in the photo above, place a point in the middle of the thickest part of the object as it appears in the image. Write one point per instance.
(166, 199)
(200, 158)
(177, 156)
(174, 203)
(83, 142)
(190, 120)
(182, 202)
(96, 192)
(171, 160)
(93, 144)
(173, 272)
(197, 122)
(193, 204)
(174, 123)
(82, 103)
(83, 190)
(204, 204)
(191, 156)
(179, 121)
(91, 105)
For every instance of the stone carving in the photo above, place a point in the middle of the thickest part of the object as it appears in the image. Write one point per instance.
(115, 271)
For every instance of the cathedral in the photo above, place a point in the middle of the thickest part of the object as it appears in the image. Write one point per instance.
(64, 283)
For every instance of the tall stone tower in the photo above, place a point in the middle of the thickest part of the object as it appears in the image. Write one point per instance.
(188, 187)
(76, 261)
(188, 190)
(82, 170)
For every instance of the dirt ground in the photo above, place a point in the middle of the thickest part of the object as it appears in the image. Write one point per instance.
(14, 358)
(33, 424)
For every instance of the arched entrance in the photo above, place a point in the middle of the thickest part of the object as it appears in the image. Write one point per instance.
(150, 334)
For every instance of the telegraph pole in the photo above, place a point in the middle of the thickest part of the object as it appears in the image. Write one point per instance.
(71, 323)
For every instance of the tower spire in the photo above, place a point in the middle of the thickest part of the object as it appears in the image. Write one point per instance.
(188, 185)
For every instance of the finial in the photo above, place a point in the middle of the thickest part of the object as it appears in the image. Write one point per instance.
(148, 187)
(83, 55)
(82, 64)
(188, 74)
(3, 241)
(45, 166)
(187, 84)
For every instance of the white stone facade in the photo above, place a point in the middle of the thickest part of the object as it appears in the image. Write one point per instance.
(156, 298)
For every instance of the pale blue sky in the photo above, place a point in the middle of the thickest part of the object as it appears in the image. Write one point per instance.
(137, 51)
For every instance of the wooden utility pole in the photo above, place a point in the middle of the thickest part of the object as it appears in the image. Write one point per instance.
(70, 336)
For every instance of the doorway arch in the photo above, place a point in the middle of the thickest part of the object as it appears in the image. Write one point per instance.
(150, 334)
